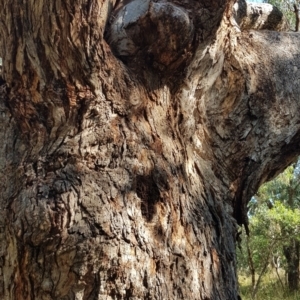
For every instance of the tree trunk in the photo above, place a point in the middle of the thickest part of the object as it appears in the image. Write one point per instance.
(132, 141)
(292, 255)
(296, 11)
(292, 248)
(251, 266)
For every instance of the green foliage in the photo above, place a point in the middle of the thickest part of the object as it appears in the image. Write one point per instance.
(271, 229)
(275, 226)
(274, 216)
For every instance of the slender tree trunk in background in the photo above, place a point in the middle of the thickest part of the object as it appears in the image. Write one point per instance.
(266, 260)
(260, 276)
(296, 11)
(276, 264)
(251, 264)
(132, 141)
(292, 255)
(279, 278)
(292, 249)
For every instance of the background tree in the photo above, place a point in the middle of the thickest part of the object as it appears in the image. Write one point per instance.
(286, 189)
(275, 229)
(133, 138)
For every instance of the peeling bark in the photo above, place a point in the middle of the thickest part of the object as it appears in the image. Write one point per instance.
(125, 168)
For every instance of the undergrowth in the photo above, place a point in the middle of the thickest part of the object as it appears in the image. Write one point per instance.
(270, 288)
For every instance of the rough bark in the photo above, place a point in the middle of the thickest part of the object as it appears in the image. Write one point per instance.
(124, 174)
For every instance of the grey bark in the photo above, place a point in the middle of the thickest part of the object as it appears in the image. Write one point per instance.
(124, 176)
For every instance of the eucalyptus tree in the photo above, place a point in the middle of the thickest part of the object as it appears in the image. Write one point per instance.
(133, 136)
(274, 231)
(284, 228)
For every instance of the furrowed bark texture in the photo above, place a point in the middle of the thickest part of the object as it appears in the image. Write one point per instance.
(127, 161)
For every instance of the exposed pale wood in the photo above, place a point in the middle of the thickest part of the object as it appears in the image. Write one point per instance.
(124, 177)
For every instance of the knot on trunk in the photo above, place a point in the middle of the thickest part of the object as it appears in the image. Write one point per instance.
(259, 16)
(158, 33)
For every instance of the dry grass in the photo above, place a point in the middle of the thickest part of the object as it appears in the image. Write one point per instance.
(270, 288)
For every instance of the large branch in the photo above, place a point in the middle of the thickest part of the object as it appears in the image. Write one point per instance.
(257, 125)
(214, 92)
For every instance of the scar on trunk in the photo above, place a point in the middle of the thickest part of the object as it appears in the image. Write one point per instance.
(147, 190)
